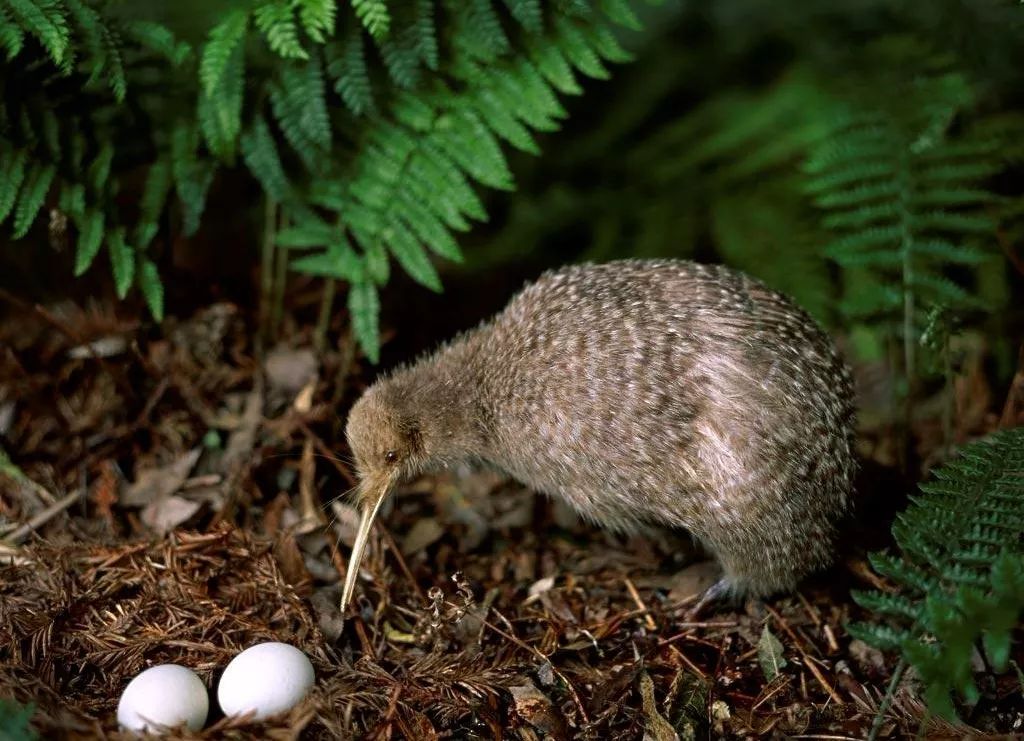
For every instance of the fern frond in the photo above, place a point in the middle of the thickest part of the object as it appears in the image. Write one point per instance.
(33, 194)
(46, 20)
(12, 38)
(192, 178)
(411, 255)
(347, 66)
(152, 287)
(220, 114)
(223, 40)
(478, 33)
(159, 39)
(276, 21)
(259, 150)
(374, 16)
(122, 261)
(621, 13)
(158, 184)
(12, 174)
(317, 17)
(90, 239)
(299, 102)
(528, 12)
(960, 578)
(104, 47)
(364, 312)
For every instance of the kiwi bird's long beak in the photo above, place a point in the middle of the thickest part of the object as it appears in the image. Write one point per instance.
(372, 494)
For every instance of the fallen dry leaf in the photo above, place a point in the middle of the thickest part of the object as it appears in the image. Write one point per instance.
(152, 484)
(167, 513)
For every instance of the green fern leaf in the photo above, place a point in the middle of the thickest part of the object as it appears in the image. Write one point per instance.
(338, 261)
(158, 184)
(374, 16)
(470, 144)
(299, 102)
(959, 582)
(12, 170)
(621, 13)
(427, 226)
(528, 13)
(223, 40)
(953, 222)
(276, 20)
(377, 265)
(12, 38)
(603, 41)
(317, 17)
(259, 151)
(364, 313)
(37, 184)
(943, 251)
(72, 199)
(220, 114)
(309, 232)
(347, 66)
(402, 57)
(45, 19)
(192, 178)
(426, 33)
(104, 46)
(158, 39)
(99, 168)
(578, 49)
(152, 288)
(122, 261)
(90, 239)
(554, 66)
(411, 256)
(503, 121)
(478, 32)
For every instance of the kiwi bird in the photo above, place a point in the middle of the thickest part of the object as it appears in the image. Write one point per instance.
(642, 392)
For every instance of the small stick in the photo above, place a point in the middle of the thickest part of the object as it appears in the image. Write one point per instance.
(45, 516)
(631, 588)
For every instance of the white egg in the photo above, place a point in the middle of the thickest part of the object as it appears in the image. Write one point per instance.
(166, 695)
(268, 679)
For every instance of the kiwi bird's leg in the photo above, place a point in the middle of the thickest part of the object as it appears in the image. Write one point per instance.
(719, 594)
(372, 497)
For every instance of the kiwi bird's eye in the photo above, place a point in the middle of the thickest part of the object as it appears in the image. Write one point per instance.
(390, 457)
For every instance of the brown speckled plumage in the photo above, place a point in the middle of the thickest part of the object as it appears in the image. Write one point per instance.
(642, 392)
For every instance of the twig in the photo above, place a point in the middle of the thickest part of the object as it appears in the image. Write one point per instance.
(45, 516)
(890, 693)
(648, 620)
(808, 659)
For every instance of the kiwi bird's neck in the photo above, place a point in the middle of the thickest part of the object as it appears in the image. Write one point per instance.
(442, 392)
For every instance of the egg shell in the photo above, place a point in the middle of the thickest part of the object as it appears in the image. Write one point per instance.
(163, 696)
(268, 678)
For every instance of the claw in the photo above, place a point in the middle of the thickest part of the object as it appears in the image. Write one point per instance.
(720, 594)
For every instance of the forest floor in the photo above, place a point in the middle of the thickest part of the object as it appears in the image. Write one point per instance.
(168, 498)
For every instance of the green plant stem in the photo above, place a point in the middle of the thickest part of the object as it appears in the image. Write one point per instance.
(323, 320)
(890, 692)
(267, 265)
(280, 279)
(909, 349)
(947, 410)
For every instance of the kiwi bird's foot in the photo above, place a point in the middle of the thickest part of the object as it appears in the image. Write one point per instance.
(721, 594)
